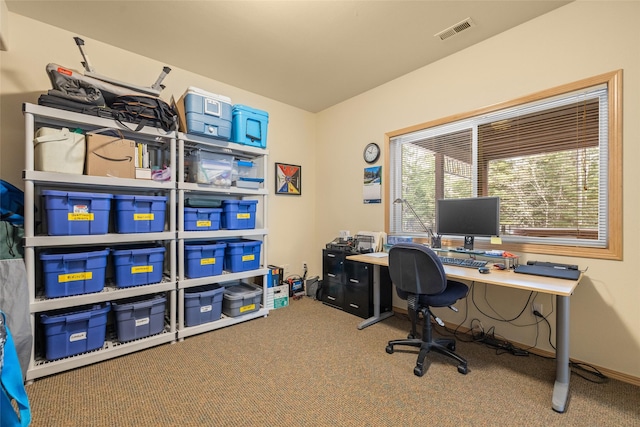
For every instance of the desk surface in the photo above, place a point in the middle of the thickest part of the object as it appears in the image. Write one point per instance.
(508, 278)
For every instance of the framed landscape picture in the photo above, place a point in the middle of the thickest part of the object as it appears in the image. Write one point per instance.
(288, 179)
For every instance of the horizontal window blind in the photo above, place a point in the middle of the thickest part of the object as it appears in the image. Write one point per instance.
(547, 160)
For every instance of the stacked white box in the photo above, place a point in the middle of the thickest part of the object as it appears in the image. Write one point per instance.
(277, 297)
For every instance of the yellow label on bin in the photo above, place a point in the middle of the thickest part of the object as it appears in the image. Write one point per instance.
(203, 223)
(74, 277)
(142, 269)
(80, 216)
(143, 217)
(243, 216)
(248, 258)
(247, 308)
(207, 261)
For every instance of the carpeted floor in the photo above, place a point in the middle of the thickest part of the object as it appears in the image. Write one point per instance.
(309, 365)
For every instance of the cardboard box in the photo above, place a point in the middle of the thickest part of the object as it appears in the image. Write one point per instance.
(275, 276)
(110, 156)
(143, 173)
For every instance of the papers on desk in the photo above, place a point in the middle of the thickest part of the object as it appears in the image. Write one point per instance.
(377, 254)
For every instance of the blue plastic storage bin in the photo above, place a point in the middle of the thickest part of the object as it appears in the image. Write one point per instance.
(203, 259)
(138, 265)
(75, 331)
(207, 114)
(140, 214)
(67, 272)
(72, 213)
(249, 126)
(239, 214)
(242, 255)
(202, 219)
(139, 317)
(202, 304)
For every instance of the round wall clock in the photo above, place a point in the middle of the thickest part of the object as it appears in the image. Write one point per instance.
(371, 152)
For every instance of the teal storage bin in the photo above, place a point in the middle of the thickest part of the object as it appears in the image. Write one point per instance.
(249, 126)
(73, 213)
(239, 214)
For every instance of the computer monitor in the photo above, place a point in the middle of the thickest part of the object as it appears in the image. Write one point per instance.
(470, 217)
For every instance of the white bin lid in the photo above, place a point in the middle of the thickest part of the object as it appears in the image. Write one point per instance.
(243, 290)
(198, 91)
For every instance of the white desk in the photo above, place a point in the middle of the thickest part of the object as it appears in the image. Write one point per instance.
(561, 288)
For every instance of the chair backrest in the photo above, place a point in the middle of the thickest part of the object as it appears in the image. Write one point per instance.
(416, 269)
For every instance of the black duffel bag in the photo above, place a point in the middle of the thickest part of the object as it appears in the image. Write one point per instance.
(144, 110)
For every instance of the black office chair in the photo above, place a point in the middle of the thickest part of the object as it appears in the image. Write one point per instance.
(420, 279)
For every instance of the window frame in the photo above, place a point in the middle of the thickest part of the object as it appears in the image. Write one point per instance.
(613, 247)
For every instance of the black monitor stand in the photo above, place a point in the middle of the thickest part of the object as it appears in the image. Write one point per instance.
(468, 243)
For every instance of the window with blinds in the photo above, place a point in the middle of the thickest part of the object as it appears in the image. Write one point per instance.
(548, 160)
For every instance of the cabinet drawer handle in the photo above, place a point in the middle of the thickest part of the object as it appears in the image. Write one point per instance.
(354, 281)
(331, 298)
(331, 275)
(354, 306)
(331, 255)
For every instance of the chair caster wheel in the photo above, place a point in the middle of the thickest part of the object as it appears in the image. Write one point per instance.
(410, 337)
(463, 369)
(452, 346)
(418, 371)
(389, 349)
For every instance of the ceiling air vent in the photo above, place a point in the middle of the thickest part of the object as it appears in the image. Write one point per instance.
(455, 29)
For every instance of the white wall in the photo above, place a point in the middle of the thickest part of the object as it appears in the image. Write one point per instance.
(580, 40)
(291, 131)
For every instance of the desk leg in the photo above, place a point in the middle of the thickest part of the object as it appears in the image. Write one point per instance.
(376, 302)
(563, 373)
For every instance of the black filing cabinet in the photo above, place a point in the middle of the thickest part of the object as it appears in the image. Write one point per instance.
(333, 278)
(348, 285)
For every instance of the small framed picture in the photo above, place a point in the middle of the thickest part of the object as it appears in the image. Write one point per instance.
(288, 179)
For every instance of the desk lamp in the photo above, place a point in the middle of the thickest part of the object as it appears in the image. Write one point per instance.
(435, 239)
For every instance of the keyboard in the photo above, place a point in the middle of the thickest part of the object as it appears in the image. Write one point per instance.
(463, 262)
(539, 270)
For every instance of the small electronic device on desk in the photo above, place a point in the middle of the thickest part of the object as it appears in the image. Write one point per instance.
(506, 259)
(354, 245)
(550, 269)
(341, 244)
(467, 251)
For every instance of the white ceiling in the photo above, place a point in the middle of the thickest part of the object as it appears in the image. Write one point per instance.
(309, 54)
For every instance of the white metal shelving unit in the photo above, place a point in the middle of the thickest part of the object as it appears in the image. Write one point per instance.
(34, 181)
(259, 156)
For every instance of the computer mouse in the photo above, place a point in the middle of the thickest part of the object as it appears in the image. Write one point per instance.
(484, 270)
